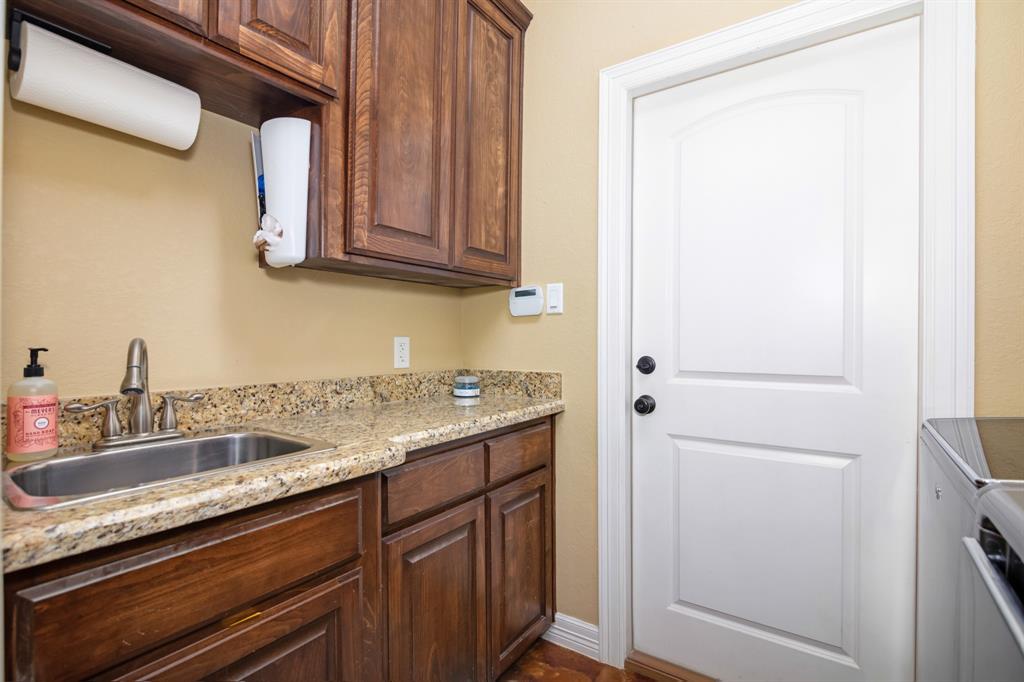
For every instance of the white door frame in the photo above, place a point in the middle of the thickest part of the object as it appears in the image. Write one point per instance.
(947, 232)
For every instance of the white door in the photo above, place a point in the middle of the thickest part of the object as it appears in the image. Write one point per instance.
(776, 287)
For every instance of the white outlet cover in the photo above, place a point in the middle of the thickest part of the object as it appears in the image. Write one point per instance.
(402, 352)
(555, 299)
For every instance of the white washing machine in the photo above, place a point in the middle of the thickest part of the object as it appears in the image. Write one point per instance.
(992, 589)
(960, 461)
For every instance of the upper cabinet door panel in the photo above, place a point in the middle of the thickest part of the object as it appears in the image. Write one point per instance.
(402, 129)
(192, 14)
(301, 38)
(488, 141)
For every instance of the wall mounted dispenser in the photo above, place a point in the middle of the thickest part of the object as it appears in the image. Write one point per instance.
(281, 152)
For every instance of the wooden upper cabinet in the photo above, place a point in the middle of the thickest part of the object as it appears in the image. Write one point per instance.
(301, 38)
(434, 143)
(402, 129)
(487, 140)
(192, 14)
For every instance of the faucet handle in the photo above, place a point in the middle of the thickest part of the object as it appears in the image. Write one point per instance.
(111, 424)
(168, 419)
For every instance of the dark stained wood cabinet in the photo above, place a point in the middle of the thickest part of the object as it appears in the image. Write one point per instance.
(440, 569)
(402, 99)
(416, 108)
(487, 144)
(458, 517)
(192, 14)
(291, 585)
(437, 598)
(522, 578)
(434, 144)
(301, 38)
(312, 634)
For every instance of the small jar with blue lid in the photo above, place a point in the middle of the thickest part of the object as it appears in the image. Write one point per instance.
(466, 387)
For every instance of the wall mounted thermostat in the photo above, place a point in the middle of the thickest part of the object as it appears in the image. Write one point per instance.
(525, 301)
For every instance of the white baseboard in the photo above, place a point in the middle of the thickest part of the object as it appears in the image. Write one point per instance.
(575, 634)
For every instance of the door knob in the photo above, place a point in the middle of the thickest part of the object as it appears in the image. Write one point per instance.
(644, 404)
(646, 364)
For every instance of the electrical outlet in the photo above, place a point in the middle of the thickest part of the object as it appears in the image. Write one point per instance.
(402, 354)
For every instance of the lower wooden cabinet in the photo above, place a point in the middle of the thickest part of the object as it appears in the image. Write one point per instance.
(313, 635)
(522, 562)
(439, 570)
(293, 585)
(470, 583)
(437, 598)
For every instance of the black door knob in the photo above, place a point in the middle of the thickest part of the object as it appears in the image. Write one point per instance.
(646, 364)
(644, 404)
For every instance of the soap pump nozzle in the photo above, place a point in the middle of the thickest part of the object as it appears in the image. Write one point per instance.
(33, 368)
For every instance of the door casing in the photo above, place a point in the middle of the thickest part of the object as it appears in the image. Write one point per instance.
(947, 232)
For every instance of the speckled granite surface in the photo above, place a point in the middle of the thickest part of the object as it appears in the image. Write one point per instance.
(236, 404)
(370, 436)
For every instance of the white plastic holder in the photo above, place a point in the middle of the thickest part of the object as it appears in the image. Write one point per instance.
(284, 151)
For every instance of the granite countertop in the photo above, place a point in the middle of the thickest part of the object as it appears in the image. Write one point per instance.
(369, 438)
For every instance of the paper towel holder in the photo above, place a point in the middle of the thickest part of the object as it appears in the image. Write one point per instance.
(14, 34)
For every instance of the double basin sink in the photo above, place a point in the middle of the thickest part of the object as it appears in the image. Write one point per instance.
(75, 479)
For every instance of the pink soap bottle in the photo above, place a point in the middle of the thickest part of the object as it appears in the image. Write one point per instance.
(32, 414)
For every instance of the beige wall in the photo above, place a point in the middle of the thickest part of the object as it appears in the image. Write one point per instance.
(999, 335)
(107, 237)
(569, 42)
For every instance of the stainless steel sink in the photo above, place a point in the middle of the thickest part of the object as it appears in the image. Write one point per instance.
(74, 479)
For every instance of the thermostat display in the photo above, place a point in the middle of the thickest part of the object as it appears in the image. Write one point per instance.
(525, 301)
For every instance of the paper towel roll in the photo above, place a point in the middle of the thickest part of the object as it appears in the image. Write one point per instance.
(59, 74)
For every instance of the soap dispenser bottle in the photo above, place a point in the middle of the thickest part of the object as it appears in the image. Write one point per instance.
(32, 414)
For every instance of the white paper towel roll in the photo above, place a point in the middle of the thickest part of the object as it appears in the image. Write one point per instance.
(59, 74)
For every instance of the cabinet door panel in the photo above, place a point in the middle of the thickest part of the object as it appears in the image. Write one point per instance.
(488, 141)
(191, 14)
(522, 580)
(302, 38)
(436, 598)
(402, 129)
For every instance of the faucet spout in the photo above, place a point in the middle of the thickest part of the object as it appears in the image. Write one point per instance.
(136, 385)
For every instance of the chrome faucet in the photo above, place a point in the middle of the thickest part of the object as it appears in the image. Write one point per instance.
(135, 385)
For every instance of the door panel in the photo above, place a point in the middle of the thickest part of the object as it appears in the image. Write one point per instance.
(798, 548)
(775, 284)
(402, 135)
(488, 141)
(522, 580)
(436, 598)
(302, 38)
(806, 322)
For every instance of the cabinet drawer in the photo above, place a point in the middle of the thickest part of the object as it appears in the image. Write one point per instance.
(518, 452)
(309, 634)
(118, 610)
(432, 481)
